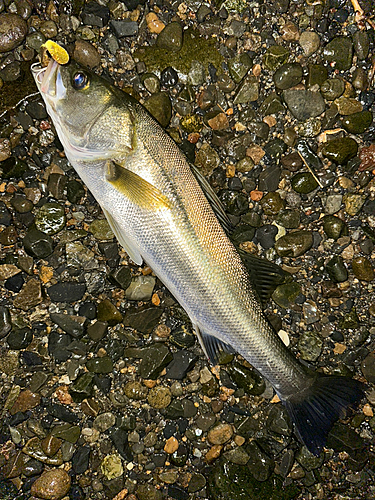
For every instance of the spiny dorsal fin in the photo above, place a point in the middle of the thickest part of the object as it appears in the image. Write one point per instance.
(265, 276)
(214, 201)
(213, 347)
(135, 188)
(128, 245)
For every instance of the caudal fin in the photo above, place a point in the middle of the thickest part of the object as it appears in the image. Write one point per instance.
(316, 409)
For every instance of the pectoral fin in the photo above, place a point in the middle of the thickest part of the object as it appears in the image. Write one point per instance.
(129, 246)
(135, 188)
(213, 348)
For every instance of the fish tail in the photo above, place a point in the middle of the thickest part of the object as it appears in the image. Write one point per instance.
(315, 409)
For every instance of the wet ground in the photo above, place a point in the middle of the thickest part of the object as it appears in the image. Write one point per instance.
(105, 391)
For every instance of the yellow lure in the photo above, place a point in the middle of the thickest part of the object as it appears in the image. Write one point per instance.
(58, 53)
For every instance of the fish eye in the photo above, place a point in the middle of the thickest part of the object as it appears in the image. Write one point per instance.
(80, 80)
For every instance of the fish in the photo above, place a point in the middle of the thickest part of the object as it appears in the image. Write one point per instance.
(163, 213)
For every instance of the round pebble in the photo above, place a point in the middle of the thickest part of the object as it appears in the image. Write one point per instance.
(52, 485)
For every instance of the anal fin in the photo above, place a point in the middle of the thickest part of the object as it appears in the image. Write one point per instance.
(213, 348)
(129, 247)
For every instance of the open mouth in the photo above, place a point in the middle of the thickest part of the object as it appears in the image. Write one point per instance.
(49, 80)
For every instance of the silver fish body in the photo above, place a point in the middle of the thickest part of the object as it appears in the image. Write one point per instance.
(160, 214)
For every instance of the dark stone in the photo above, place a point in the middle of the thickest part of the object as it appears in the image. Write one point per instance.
(5, 215)
(31, 358)
(154, 359)
(269, 178)
(68, 324)
(177, 493)
(119, 438)
(94, 14)
(62, 413)
(169, 77)
(57, 346)
(36, 110)
(15, 283)
(5, 322)
(97, 330)
(124, 27)
(121, 276)
(20, 339)
(88, 309)
(13, 168)
(81, 459)
(66, 291)
(266, 235)
(100, 365)
(144, 318)
(74, 191)
(38, 244)
(82, 387)
(182, 362)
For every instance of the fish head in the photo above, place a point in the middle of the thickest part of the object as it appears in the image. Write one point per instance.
(93, 118)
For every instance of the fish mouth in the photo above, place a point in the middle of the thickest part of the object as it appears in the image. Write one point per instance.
(49, 80)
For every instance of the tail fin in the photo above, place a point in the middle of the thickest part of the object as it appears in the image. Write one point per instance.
(315, 409)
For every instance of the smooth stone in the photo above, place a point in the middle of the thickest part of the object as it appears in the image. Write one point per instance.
(38, 244)
(66, 291)
(100, 365)
(82, 388)
(182, 362)
(74, 191)
(259, 464)
(246, 379)
(269, 178)
(361, 44)
(275, 56)
(206, 159)
(86, 54)
(317, 75)
(336, 269)
(294, 244)
(288, 75)
(111, 466)
(340, 150)
(290, 219)
(272, 203)
(350, 320)
(74, 325)
(20, 339)
(239, 66)
(368, 368)
(357, 123)
(94, 14)
(348, 105)
(197, 73)
(33, 449)
(308, 460)
(29, 296)
(5, 322)
(304, 104)
(334, 227)
(310, 42)
(220, 434)
(81, 460)
(101, 230)
(104, 421)
(304, 183)
(266, 235)
(108, 312)
(171, 37)
(147, 491)
(97, 330)
(362, 269)
(339, 51)
(50, 445)
(124, 27)
(248, 91)
(13, 30)
(154, 359)
(140, 288)
(271, 105)
(50, 218)
(332, 88)
(52, 485)
(160, 107)
(144, 318)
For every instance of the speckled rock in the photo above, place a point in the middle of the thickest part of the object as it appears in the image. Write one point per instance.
(13, 30)
(340, 52)
(363, 269)
(29, 296)
(310, 346)
(159, 397)
(294, 244)
(220, 434)
(304, 104)
(52, 485)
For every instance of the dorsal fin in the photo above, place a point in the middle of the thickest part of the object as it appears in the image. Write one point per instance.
(214, 201)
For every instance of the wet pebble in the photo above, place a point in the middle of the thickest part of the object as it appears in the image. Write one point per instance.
(50, 218)
(13, 30)
(304, 183)
(66, 291)
(37, 243)
(362, 269)
(288, 76)
(140, 288)
(310, 346)
(357, 123)
(29, 296)
(340, 150)
(86, 54)
(171, 37)
(304, 104)
(294, 244)
(52, 485)
(220, 434)
(310, 42)
(336, 269)
(340, 52)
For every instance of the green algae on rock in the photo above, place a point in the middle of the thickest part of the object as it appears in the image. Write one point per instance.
(194, 48)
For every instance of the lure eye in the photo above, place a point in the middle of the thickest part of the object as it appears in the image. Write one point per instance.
(80, 80)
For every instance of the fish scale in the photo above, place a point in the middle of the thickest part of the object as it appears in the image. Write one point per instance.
(159, 213)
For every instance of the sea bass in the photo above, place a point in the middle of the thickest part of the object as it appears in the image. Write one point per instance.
(160, 214)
